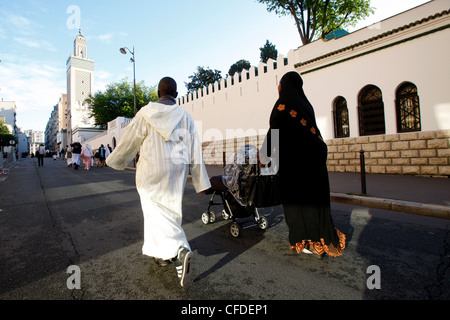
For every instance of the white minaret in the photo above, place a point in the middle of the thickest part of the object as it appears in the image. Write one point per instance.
(80, 83)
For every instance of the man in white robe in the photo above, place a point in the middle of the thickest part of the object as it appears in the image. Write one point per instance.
(169, 146)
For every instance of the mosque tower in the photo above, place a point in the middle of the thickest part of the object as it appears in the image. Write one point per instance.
(80, 84)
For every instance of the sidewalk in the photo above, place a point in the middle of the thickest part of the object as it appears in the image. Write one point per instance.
(411, 194)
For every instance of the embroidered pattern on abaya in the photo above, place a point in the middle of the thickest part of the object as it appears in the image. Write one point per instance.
(303, 172)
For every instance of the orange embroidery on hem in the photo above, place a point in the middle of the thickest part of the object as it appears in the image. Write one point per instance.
(319, 247)
(303, 122)
(281, 107)
(313, 130)
(293, 113)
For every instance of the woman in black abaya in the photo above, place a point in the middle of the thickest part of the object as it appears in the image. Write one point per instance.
(305, 189)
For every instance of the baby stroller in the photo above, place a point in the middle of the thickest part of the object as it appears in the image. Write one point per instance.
(236, 189)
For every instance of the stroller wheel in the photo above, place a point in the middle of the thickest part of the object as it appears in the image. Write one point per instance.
(208, 217)
(263, 223)
(235, 229)
(225, 215)
(212, 217)
(205, 217)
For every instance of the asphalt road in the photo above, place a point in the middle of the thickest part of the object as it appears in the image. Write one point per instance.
(54, 217)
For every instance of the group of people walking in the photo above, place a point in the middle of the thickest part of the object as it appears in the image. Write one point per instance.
(164, 130)
(161, 130)
(76, 152)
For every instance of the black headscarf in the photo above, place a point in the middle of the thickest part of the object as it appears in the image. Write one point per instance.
(294, 99)
(302, 151)
(292, 89)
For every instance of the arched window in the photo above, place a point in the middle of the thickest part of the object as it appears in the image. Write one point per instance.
(341, 123)
(408, 108)
(371, 111)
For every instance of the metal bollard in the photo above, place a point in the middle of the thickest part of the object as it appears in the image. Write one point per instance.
(224, 159)
(363, 173)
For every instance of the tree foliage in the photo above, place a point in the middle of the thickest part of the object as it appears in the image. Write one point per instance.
(6, 136)
(238, 66)
(3, 129)
(268, 51)
(202, 78)
(317, 18)
(118, 101)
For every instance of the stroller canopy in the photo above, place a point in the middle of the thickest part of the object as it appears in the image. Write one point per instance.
(237, 173)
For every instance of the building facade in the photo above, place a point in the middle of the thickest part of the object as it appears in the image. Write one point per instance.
(8, 112)
(8, 117)
(51, 131)
(80, 84)
(383, 89)
(35, 139)
(70, 121)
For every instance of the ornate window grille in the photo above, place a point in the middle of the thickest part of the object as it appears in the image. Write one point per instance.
(408, 108)
(371, 111)
(341, 122)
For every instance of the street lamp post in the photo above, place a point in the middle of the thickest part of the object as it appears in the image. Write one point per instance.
(124, 51)
(12, 154)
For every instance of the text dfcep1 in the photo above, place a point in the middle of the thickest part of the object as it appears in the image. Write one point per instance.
(230, 309)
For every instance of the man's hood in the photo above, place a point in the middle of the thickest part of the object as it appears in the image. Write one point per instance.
(163, 118)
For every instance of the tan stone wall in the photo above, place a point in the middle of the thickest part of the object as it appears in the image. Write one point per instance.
(213, 151)
(417, 153)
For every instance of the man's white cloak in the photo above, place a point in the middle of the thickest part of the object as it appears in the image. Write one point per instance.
(169, 148)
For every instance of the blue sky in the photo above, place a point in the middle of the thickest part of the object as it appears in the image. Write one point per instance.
(171, 38)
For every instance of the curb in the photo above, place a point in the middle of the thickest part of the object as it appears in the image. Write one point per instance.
(424, 209)
(431, 210)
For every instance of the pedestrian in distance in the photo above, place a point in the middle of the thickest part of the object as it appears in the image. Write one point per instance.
(108, 151)
(302, 156)
(76, 151)
(169, 146)
(69, 155)
(97, 158)
(102, 155)
(41, 154)
(87, 154)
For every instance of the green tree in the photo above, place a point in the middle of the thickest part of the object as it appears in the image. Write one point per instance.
(317, 18)
(268, 51)
(118, 101)
(238, 66)
(202, 78)
(5, 136)
(3, 128)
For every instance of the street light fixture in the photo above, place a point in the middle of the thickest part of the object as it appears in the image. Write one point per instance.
(124, 51)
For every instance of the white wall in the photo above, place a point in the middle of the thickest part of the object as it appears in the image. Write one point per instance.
(386, 55)
(241, 109)
(421, 61)
(391, 52)
(116, 129)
